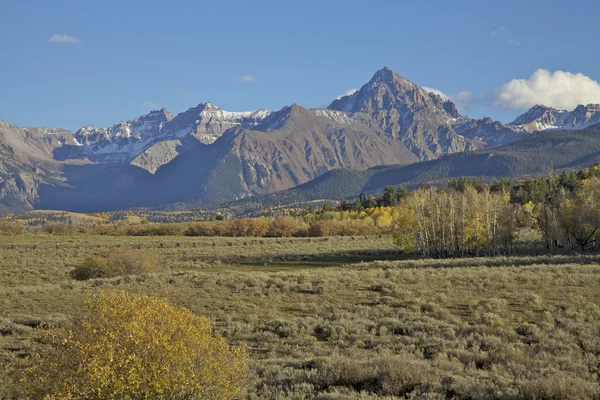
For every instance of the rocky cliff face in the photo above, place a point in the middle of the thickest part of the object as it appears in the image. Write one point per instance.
(424, 122)
(297, 144)
(126, 140)
(26, 160)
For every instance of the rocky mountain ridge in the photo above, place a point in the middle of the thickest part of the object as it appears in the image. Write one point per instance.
(211, 155)
(542, 118)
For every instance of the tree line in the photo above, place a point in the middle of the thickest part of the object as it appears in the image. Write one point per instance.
(469, 218)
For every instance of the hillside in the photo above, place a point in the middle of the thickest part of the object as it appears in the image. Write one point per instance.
(536, 155)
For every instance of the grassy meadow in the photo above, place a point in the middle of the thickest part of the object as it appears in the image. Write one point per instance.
(340, 317)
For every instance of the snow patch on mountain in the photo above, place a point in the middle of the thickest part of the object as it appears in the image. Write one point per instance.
(127, 139)
(339, 117)
(542, 118)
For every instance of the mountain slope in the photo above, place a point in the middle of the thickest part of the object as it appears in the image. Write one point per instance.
(126, 140)
(26, 161)
(295, 145)
(423, 122)
(536, 155)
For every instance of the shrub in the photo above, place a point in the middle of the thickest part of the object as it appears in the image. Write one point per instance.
(116, 262)
(10, 228)
(560, 386)
(155, 230)
(248, 227)
(282, 227)
(200, 229)
(388, 376)
(126, 346)
(118, 229)
(209, 228)
(281, 328)
(258, 227)
(59, 228)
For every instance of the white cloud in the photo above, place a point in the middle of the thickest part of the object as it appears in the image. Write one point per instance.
(245, 78)
(435, 91)
(149, 104)
(558, 89)
(63, 39)
(462, 99)
(501, 31)
(497, 31)
(348, 93)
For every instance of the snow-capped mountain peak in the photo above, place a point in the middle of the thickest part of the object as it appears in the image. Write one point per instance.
(127, 139)
(541, 118)
(211, 111)
(143, 126)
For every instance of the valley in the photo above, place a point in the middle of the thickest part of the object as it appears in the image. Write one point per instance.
(316, 200)
(322, 321)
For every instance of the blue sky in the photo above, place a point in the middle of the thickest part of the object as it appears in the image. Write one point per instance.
(72, 63)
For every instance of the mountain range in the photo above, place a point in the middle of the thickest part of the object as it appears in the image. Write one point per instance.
(540, 154)
(207, 156)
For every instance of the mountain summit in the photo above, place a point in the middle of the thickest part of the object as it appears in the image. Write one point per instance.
(385, 91)
(423, 121)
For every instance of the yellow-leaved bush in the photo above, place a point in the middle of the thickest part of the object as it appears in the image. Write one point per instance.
(126, 346)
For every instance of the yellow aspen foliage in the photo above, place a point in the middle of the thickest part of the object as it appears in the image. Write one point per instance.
(404, 222)
(381, 216)
(384, 220)
(125, 346)
(448, 222)
(580, 216)
(528, 207)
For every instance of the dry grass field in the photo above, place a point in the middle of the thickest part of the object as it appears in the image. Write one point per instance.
(340, 318)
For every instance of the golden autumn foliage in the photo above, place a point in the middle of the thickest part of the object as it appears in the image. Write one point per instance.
(333, 223)
(283, 227)
(448, 222)
(248, 227)
(579, 216)
(126, 346)
(403, 233)
(569, 219)
(382, 216)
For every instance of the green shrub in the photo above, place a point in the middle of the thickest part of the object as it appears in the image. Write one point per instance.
(59, 228)
(116, 262)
